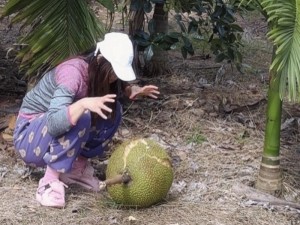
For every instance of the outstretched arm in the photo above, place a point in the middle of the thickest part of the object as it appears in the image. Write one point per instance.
(134, 91)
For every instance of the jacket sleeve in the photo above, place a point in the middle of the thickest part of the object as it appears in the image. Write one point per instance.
(69, 83)
(58, 121)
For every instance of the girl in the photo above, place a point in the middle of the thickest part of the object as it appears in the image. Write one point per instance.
(73, 113)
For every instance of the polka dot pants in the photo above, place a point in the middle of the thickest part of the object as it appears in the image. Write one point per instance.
(38, 148)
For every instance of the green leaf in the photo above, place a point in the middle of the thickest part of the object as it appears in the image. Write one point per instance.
(58, 30)
(236, 27)
(14, 6)
(230, 53)
(109, 4)
(193, 26)
(182, 26)
(211, 37)
(174, 35)
(158, 1)
(220, 57)
(184, 52)
(158, 38)
(188, 45)
(147, 7)
(285, 34)
(142, 39)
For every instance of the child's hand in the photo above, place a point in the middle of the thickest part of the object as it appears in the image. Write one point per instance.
(97, 104)
(148, 90)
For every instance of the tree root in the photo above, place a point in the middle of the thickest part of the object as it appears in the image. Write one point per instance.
(258, 196)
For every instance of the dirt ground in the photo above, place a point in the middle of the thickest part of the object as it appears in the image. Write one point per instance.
(211, 125)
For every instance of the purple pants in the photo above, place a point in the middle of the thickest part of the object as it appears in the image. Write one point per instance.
(38, 148)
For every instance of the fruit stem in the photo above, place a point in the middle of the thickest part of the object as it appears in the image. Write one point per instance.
(118, 179)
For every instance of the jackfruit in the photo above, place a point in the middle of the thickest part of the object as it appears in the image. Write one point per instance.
(149, 169)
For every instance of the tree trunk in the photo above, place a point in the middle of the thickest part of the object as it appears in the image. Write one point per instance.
(270, 177)
(160, 17)
(158, 65)
(136, 22)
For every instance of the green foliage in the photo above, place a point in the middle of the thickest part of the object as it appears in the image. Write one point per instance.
(284, 21)
(55, 30)
(196, 138)
(148, 43)
(58, 29)
(108, 4)
(212, 21)
(216, 24)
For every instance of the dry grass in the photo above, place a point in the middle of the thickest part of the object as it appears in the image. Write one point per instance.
(228, 153)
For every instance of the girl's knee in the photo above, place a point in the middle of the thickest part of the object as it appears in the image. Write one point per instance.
(85, 120)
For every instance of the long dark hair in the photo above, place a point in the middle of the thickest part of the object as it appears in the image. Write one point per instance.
(99, 72)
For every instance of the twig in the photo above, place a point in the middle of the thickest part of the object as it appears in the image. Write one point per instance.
(190, 105)
(200, 68)
(151, 116)
(128, 108)
(3, 175)
(131, 121)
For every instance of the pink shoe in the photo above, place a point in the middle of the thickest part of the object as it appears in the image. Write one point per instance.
(83, 176)
(51, 193)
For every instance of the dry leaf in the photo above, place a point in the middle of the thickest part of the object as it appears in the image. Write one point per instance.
(7, 137)
(131, 218)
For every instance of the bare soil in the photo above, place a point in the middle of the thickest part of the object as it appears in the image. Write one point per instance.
(211, 125)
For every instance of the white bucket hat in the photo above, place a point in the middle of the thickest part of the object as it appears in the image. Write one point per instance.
(118, 50)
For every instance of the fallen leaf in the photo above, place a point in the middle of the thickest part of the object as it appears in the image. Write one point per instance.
(131, 218)
(7, 137)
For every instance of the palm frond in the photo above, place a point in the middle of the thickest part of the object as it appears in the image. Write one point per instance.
(284, 20)
(58, 29)
(252, 3)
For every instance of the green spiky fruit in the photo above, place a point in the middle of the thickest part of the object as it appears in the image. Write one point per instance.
(149, 168)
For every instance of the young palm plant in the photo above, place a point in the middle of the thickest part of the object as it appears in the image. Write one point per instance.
(53, 30)
(284, 31)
